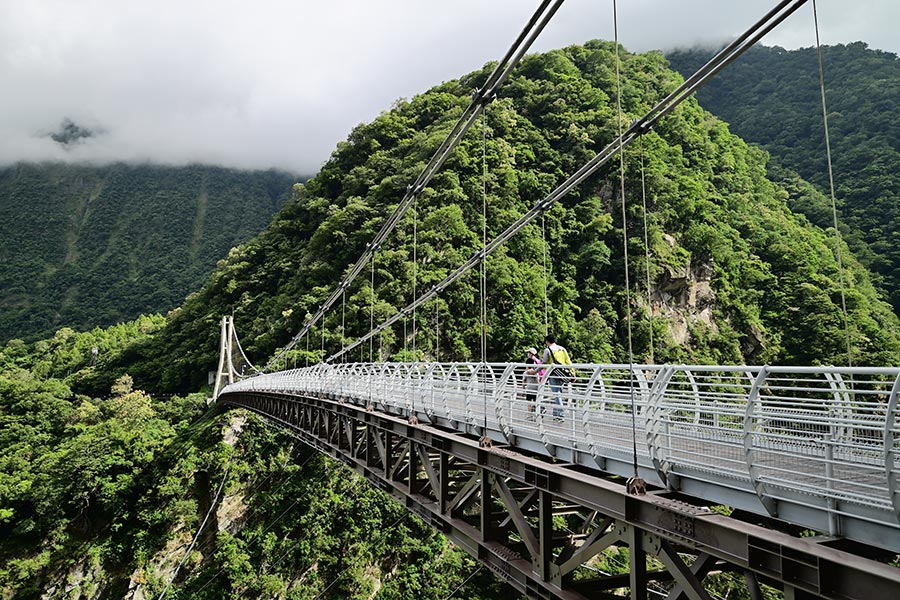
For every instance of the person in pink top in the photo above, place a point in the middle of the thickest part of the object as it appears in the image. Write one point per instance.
(532, 377)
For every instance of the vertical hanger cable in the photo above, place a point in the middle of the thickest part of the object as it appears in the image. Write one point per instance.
(635, 483)
(546, 300)
(837, 233)
(372, 311)
(485, 439)
(646, 249)
(415, 273)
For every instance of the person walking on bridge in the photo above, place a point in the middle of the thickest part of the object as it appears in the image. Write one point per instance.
(531, 379)
(556, 355)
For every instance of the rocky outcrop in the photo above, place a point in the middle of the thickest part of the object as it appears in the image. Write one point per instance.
(84, 581)
(684, 296)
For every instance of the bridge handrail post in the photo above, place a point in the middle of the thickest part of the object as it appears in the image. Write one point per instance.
(839, 416)
(589, 409)
(428, 384)
(540, 407)
(412, 376)
(323, 380)
(460, 387)
(490, 391)
(655, 424)
(696, 390)
(419, 370)
(356, 389)
(387, 385)
(351, 376)
(406, 379)
(389, 375)
(892, 447)
(471, 385)
(749, 455)
(505, 396)
(445, 387)
(409, 388)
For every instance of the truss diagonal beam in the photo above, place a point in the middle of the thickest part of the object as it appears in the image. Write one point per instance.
(518, 519)
(684, 576)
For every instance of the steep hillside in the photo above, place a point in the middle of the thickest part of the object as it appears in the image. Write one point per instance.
(82, 246)
(771, 97)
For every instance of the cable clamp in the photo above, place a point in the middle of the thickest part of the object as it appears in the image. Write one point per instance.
(636, 486)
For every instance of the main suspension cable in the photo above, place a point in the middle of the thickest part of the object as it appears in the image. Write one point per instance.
(638, 127)
(834, 213)
(485, 94)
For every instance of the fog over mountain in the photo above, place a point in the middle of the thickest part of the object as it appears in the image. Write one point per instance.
(277, 84)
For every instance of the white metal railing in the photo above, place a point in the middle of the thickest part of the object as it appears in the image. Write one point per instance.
(827, 437)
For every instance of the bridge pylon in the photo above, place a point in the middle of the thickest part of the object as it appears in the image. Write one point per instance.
(233, 363)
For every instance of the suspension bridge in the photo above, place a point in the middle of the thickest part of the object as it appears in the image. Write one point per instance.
(788, 475)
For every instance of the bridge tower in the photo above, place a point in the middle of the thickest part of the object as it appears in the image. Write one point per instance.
(233, 363)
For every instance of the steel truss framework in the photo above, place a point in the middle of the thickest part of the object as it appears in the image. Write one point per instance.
(539, 525)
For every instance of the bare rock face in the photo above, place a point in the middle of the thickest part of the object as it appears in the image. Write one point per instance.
(162, 566)
(685, 297)
(230, 513)
(84, 580)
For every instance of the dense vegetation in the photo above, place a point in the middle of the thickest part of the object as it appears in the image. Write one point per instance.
(735, 276)
(84, 246)
(771, 96)
(99, 496)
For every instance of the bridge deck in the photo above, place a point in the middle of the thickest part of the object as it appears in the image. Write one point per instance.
(815, 447)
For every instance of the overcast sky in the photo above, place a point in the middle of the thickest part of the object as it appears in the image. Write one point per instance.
(278, 83)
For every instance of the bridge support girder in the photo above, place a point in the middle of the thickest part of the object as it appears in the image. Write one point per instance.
(550, 529)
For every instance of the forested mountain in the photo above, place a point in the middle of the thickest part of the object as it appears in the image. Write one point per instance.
(771, 97)
(82, 246)
(735, 277)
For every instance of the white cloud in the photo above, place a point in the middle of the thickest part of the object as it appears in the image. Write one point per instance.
(278, 83)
